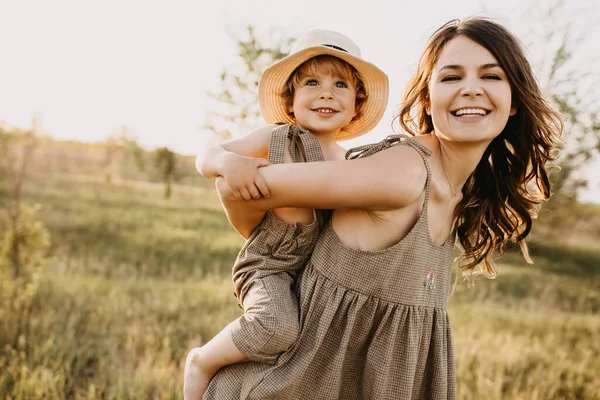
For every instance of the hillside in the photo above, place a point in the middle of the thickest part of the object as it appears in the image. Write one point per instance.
(132, 281)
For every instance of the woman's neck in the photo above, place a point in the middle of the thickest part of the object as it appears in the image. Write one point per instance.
(458, 159)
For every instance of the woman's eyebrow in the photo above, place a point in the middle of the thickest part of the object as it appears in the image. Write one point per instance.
(455, 67)
(490, 65)
(452, 67)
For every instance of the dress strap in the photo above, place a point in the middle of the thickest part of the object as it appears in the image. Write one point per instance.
(302, 145)
(395, 140)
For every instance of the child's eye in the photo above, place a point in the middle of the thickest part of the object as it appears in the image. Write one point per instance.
(311, 82)
(451, 78)
(341, 84)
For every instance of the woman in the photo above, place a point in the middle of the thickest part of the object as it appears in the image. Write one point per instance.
(373, 295)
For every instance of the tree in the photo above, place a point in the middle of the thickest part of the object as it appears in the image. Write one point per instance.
(560, 47)
(165, 162)
(23, 245)
(120, 146)
(237, 102)
(23, 231)
(557, 38)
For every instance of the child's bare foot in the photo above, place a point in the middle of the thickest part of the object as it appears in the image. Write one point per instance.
(202, 363)
(197, 375)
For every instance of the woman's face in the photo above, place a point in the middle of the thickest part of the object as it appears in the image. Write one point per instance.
(470, 95)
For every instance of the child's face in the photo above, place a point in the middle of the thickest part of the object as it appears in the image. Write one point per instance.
(324, 103)
(470, 95)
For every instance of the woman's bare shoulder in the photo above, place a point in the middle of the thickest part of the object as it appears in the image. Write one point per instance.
(398, 170)
(402, 160)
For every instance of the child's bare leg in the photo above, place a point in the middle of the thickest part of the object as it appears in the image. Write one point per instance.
(202, 363)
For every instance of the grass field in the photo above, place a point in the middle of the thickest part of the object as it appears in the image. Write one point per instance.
(133, 281)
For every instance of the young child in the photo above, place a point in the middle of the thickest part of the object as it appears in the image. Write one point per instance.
(323, 92)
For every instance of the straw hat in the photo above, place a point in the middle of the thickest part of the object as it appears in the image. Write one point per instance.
(323, 42)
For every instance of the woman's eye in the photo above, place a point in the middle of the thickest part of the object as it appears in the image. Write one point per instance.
(341, 84)
(450, 78)
(492, 76)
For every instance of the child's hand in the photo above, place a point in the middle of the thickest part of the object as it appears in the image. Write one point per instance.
(241, 174)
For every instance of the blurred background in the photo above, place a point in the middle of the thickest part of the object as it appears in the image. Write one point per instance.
(115, 255)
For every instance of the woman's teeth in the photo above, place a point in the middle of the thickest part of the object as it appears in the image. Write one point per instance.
(470, 111)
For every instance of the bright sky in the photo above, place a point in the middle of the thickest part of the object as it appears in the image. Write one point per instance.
(87, 67)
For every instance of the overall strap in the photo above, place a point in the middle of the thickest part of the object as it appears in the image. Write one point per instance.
(303, 146)
(395, 140)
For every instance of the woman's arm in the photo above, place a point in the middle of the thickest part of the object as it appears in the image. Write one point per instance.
(390, 179)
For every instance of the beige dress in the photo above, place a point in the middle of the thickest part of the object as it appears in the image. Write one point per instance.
(265, 270)
(373, 325)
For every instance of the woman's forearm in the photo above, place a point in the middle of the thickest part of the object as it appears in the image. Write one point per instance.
(366, 183)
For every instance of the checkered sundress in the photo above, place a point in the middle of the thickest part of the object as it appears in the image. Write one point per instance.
(265, 271)
(374, 324)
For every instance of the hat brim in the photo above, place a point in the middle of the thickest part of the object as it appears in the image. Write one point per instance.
(275, 77)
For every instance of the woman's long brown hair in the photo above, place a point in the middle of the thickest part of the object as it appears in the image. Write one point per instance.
(503, 194)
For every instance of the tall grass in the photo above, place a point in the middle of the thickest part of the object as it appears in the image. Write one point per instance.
(128, 229)
(505, 353)
(93, 337)
(134, 281)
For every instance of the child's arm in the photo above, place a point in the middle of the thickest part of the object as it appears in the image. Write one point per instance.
(244, 219)
(238, 161)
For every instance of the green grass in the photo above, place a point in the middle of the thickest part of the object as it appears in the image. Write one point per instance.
(507, 353)
(134, 281)
(121, 339)
(128, 229)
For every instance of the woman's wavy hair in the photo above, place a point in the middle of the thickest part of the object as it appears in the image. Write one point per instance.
(503, 194)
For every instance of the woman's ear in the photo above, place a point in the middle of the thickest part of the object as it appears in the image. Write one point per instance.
(513, 111)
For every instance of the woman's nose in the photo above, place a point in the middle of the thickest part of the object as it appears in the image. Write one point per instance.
(471, 87)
